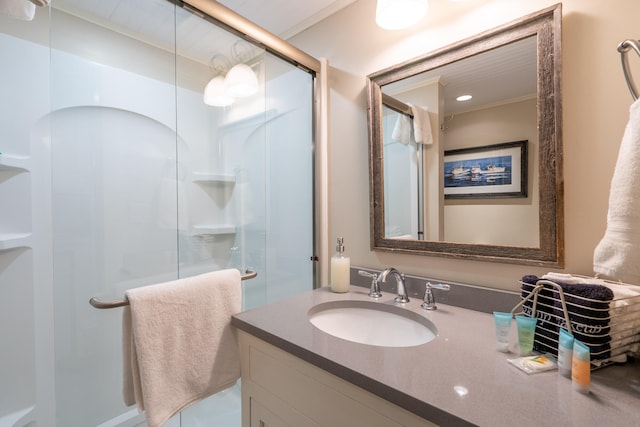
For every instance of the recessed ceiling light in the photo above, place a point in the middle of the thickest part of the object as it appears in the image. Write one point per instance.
(464, 98)
(460, 390)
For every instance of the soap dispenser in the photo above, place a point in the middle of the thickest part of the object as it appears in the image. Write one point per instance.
(340, 269)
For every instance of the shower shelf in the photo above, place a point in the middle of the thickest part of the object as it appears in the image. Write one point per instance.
(15, 163)
(14, 240)
(213, 178)
(212, 230)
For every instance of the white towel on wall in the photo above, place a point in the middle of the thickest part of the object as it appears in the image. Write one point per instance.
(178, 346)
(421, 125)
(618, 253)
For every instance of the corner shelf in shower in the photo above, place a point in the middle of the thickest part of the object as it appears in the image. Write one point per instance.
(213, 178)
(212, 230)
(14, 163)
(14, 240)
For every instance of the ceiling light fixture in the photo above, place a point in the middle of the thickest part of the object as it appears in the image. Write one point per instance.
(241, 81)
(399, 14)
(228, 84)
(463, 98)
(215, 93)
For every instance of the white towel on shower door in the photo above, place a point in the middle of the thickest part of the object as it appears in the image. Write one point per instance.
(618, 253)
(421, 125)
(402, 129)
(178, 346)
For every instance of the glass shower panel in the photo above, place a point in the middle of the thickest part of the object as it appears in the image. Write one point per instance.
(213, 186)
(248, 178)
(114, 192)
(289, 180)
(210, 180)
(249, 164)
(149, 184)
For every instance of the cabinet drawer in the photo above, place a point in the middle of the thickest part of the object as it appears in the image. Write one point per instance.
(314, 393)
(261, 416)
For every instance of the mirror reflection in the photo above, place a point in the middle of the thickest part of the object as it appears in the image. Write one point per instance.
(478, 102)
(465, 147)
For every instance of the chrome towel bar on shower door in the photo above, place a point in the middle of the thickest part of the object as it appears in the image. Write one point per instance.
(96, 303)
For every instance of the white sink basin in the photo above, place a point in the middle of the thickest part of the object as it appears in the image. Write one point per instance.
(372, 323)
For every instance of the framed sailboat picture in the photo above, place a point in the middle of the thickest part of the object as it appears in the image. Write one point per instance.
(490, 171)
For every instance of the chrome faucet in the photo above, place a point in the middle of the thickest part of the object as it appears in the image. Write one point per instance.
(402, 290)
(374, 291)
(429, 301)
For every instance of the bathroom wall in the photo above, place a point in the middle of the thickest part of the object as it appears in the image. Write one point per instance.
(491, 223)
(595, 112)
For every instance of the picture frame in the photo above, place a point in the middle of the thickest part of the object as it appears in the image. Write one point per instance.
(486, 172)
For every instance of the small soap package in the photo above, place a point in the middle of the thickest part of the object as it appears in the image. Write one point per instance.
(535, 364)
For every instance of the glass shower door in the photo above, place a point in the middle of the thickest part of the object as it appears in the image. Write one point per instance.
(250, 192)
(249, 183)
(149, 184)
(114, 198)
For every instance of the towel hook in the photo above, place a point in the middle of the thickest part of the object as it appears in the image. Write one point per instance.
(623, 48)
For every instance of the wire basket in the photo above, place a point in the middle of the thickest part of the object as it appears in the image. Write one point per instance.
(605, 316)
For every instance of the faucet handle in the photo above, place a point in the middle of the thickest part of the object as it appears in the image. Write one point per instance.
(366, 273)
(374, 291)
(429, 300)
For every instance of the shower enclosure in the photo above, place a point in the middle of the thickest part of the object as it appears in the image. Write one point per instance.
(115, 174)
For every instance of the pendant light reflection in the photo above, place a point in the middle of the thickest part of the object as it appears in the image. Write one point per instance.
(399, 14)
(215, 93)
(240, 82)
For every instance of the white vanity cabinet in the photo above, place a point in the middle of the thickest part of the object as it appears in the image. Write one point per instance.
(279, 389)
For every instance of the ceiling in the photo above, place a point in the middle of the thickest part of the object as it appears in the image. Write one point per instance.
(299, 15)
(193, 37)
(157, 23)
(494, 77)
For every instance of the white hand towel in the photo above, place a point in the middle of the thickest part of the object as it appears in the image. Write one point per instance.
(618, 253)
(18, 9)
(402, 130)
(178, 346)
(421, 125)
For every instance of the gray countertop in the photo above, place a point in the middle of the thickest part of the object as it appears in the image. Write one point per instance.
(456, 379)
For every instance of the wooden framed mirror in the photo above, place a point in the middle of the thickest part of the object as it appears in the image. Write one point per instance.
(409, 212)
